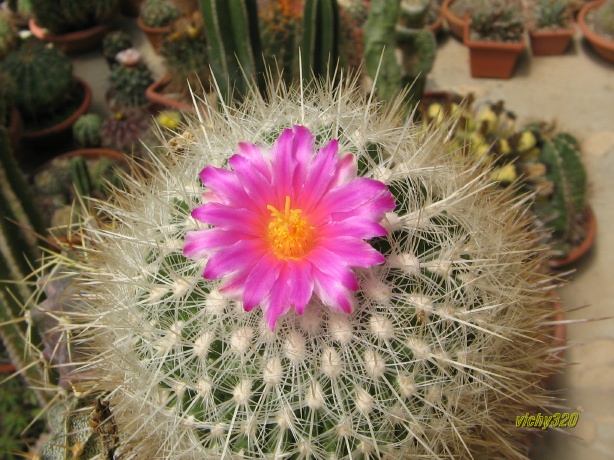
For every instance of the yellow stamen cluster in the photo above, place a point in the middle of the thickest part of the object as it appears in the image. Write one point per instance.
(289, 234)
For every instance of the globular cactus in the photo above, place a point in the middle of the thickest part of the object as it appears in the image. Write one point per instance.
(403, 309)
(9, 37)
(44, 78)
(497, 20)
(128, 81)
(113, 43)
(65, 16)
(158, 13)
(123, 129)
(87, 131)
(80, 176)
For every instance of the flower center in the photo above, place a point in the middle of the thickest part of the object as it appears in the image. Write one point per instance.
(289, 234)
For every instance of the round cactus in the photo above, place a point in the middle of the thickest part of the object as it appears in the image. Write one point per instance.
(64, 16)
(123, 129)
(87, 131)
(44, 78)
(158, 13)
(113, 43)
(128, 83)
(402, 310)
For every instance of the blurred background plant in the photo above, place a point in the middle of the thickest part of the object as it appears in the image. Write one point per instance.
(64, 16)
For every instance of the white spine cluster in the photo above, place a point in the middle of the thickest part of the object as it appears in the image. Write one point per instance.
(445, 344)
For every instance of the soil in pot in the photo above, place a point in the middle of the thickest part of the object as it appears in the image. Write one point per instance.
(602, 44)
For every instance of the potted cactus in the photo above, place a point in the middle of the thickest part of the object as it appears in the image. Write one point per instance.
(49, 97)
(123, 129)
(184, 49)
(551, 26)
(128, 81)
(9, 37)
(74, 26)
(331, 284)
(494, 36)
(155, 19)
(87, 131)
(596, 21)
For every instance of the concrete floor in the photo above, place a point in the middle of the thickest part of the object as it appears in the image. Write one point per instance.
(576, 90)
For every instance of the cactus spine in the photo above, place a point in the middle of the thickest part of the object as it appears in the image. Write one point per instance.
(447, 337)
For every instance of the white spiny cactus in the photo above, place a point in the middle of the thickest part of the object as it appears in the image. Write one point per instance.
(445, 345)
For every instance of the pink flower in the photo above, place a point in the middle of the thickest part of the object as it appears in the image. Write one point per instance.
(289, 223)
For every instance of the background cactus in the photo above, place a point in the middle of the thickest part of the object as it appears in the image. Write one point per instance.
(113, 43)
(446, 344)
(319, 41)
(87, 131)
(123, 129)
(550, 14)
(234, 47)
(184, 50)
(9, 38)
(384, 33)
(44, 78)
(497, 20)
(602, 19)
(64, 16)
(128, 83)
(158, 13)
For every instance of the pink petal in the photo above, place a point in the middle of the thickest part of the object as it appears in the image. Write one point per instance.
(346, 170)
(240, 256)
(300, 285)
(290, 157)
(333, 266)
(199, 243)
(331, 293)
(353, 251)
(260, 281)
(278, 303)
(225, 184)
(319, 177)
(356, 194)
(355, 226)
(255, 156)
(255, 184)
(229, 218)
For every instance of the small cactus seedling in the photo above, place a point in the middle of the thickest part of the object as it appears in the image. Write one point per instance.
(87, 131)
(333, 284)
(129, 80)
(497, 20)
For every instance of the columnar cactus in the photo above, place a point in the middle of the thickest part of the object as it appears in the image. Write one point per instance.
(87, 131)
(44, 77)
(319, 41)
(402, 309)
(64, 16)
(158, 13)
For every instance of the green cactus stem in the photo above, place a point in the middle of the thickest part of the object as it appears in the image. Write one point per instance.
(64, 16)
(87, 131)
(158, 13)
(234, 46)
(320, 37)
(80, 176)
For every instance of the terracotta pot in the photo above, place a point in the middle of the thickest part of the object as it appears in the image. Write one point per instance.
(15, 129)
(590, 227)
(7, 369)
(602, 46)
(131, 7)
(550, 42)
(492, 59)
(73, 42)
(155, 94)
(154, 34)
(63, 130)
(455, 24)
(436, 26)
